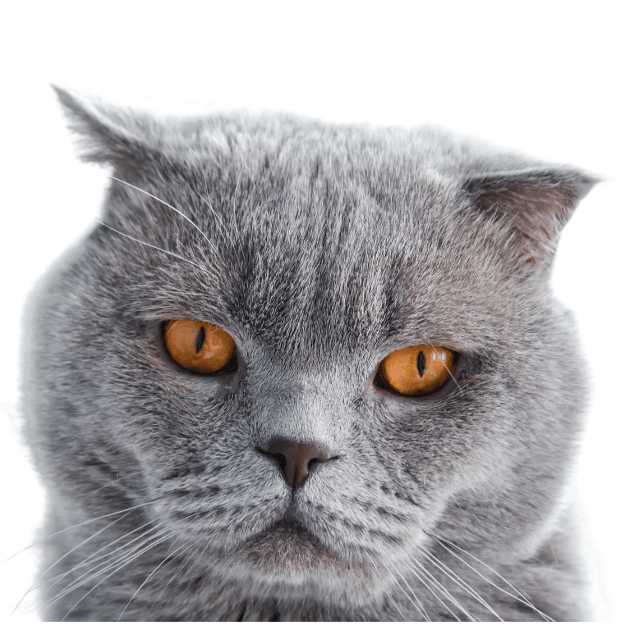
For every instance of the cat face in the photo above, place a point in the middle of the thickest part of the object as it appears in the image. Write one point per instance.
(296, 465)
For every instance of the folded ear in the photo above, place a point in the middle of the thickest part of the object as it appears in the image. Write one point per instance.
(107, 134)
(533, 204)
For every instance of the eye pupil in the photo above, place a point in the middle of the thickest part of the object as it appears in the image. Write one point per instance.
(421, 363)
(199, 339)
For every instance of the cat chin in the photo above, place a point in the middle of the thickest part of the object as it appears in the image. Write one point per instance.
(287, 560)
(286, 545)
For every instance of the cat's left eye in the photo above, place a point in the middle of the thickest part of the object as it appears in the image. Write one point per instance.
(198, 346)
(417, 371)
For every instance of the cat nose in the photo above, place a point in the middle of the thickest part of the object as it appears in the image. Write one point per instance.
(295, 459)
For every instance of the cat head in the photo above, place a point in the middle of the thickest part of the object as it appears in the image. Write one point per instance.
(321, 251)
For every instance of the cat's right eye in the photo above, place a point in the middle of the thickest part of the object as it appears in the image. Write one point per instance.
(198, 346)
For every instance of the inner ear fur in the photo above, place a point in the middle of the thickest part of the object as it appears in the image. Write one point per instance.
(534, 205)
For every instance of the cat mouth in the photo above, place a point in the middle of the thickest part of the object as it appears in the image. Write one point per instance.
(285, 531)
(286, 556)
(286, 545)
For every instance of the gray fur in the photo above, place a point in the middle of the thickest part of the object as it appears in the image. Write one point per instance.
(321, 249)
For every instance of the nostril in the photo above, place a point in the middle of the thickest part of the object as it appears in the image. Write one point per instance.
(312, 463)
(281, 458)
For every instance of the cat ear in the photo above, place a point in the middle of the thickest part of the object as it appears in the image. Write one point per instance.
(533, 204)
(106, 134)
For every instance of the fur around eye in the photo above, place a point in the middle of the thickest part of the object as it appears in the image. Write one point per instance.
(418, 370)
(198, 346)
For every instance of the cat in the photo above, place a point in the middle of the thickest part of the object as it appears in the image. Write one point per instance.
(307, 371)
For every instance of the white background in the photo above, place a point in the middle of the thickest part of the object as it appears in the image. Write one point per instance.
(542, 77)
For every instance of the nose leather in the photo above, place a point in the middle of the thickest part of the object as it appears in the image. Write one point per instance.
(296, 459)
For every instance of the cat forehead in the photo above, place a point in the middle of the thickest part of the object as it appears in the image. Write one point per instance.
(293, 191)
(306, 263)
(290, 216)
(295, 170)
(310, 236)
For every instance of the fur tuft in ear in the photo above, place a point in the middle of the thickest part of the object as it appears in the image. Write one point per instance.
(535, 204)
(106, 134)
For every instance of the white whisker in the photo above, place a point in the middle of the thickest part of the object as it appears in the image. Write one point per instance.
(91, 559)
(112, 562)
(160, 249)
(518, 597)
(418, 605)
(385, 586)
(177, 576)
(112, 483)
(440, 586)
(492, 570)
(451, 375)
(167, 558)
(116, 570)
(460, 582)
(39, 581)
(179, 212)
(72, 527)
(218, 218)
(421, 579)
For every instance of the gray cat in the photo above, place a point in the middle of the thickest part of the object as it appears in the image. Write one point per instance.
(304, 371)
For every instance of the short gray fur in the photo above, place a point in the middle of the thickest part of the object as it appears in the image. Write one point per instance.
(320, 248)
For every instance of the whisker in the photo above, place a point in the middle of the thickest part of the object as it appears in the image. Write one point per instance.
(107, 558)
(418, 605)
(83, 543)
(484, 565)
(92, 573)
(440, 586)
(459, 581)
(39, 580)
(385, 586)
(91, 559)
(112, 483)
(160, 249)
(72, 527)
(429, 343)
(179, 212)
(518, 597)
(177, 576)
(424, 582)
(166, 559)
(180, 578)
(116, 570)
(451, 375)
(452, 545)
(113, 563)
(219, 221)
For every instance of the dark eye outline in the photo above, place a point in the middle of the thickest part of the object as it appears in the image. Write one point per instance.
(380, 382)
(230, 367)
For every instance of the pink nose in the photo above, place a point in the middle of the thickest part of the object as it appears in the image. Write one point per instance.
(296, 459)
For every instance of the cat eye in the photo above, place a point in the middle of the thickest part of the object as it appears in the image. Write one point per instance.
(416, 371)
(197, 346)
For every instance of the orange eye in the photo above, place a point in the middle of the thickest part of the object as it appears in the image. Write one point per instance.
(198, 346)
(419, 370)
